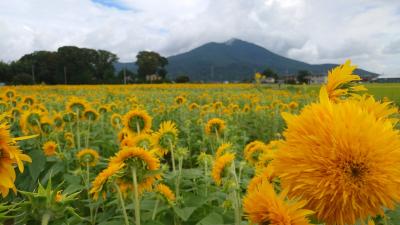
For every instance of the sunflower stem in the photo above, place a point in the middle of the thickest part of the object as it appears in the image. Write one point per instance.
(121, 199)
(46, 218)
(236, 196)
(88, 134)
(78, 130)
(206, 176)
(136, 193)
(88, 192)
(153, 217)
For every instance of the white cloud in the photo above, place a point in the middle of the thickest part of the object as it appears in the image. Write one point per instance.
(315, 31)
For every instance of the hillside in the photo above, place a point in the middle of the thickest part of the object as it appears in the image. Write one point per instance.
(235, 60)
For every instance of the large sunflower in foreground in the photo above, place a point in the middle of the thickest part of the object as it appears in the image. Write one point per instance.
(342, 159)
(219, 166)
(10, 154)
(263, 206)
(137, 121)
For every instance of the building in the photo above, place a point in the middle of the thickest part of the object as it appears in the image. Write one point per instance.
(153, 77)
(317, 79)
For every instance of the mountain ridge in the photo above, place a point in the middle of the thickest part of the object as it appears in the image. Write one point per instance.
(235, 60)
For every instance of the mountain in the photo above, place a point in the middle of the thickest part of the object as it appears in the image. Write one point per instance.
(236, 60)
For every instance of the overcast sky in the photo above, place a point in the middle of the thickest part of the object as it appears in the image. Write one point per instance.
(314, 31)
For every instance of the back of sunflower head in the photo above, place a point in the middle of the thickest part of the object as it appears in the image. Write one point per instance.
(342, 82)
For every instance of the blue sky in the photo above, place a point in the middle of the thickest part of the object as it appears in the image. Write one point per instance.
(314, 31)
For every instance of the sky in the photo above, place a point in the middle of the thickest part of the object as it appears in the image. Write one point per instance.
(313, 31)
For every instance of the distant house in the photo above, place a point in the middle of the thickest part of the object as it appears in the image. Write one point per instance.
(386, 79)
(317, 79)
(153, 77)
(268, 80)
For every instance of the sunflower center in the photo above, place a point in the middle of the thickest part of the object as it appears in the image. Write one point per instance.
(356, 170)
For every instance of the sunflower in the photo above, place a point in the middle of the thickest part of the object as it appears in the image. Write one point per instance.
(253, 150)
(10, 154)
(58, 121)
(30, 121)
(347, 161)
(222, 149)
(90, 114)
(103, 109)
(137, 121)
(180, 100)
(166, 192)
(49, 148)
(46, 125)
(341, 81)
(77, 105)
(102, 178)
(166, 136)
(263, 206)
(215, 126)
(143, 140)
(143, 161)
(88, 156)
(265, 174)
(220, 164)
(69, 117)
(30, 100)
(193, 106)
(116, 120)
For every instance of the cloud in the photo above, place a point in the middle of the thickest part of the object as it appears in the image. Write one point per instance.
(314, 31)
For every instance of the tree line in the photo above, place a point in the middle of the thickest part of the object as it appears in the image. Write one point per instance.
(74, 65)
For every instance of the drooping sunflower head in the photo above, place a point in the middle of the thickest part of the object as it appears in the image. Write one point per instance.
(77, 105)
(222, 149)
(9, 93)
(50, 148)
(137, 121)
(341, 82)
(165, 192)
(262, 206)
(3, 106)
(58, 121)
(90, 114)
(30, 120)
(103, 177)
(70, 117)
(116, 120)
(253, 150)
(46, 125)
(219, 166)
(30, 100)
(193, 106)
(167, 135)
(142, 161)
(180, 100)
(88, 157)
(143, 140)
(215, 126)
(351, 151)
(103, 109)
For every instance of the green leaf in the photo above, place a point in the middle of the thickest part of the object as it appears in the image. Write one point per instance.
(37, 165)
(184, 213)
(211, 219)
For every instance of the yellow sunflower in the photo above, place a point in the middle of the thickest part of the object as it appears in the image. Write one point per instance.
(116, 120)
(142, 160)
(341, 81)
(222, 149)
(30, 121)
(220, 164)
(137, 121)
(180, 100)
(215, 126)
(253, 150)
(88, 156)
(347, 161)
(49, 148)
(10, 154)
(166, 192)
(166, 136)
(102, 178)
(90, 114)
(77, 105)
(263, 206)
(58, 121)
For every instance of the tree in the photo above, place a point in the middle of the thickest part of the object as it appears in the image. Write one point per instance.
(182, 79)
(151, 63)
(5, 72)
(303, 76)
(268, 72)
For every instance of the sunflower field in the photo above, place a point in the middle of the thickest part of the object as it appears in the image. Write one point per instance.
(203, 154)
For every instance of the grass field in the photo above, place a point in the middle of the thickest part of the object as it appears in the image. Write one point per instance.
(189, 151)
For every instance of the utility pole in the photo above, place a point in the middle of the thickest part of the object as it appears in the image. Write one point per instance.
(125, 75)
(65, 75)
(33, 73)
